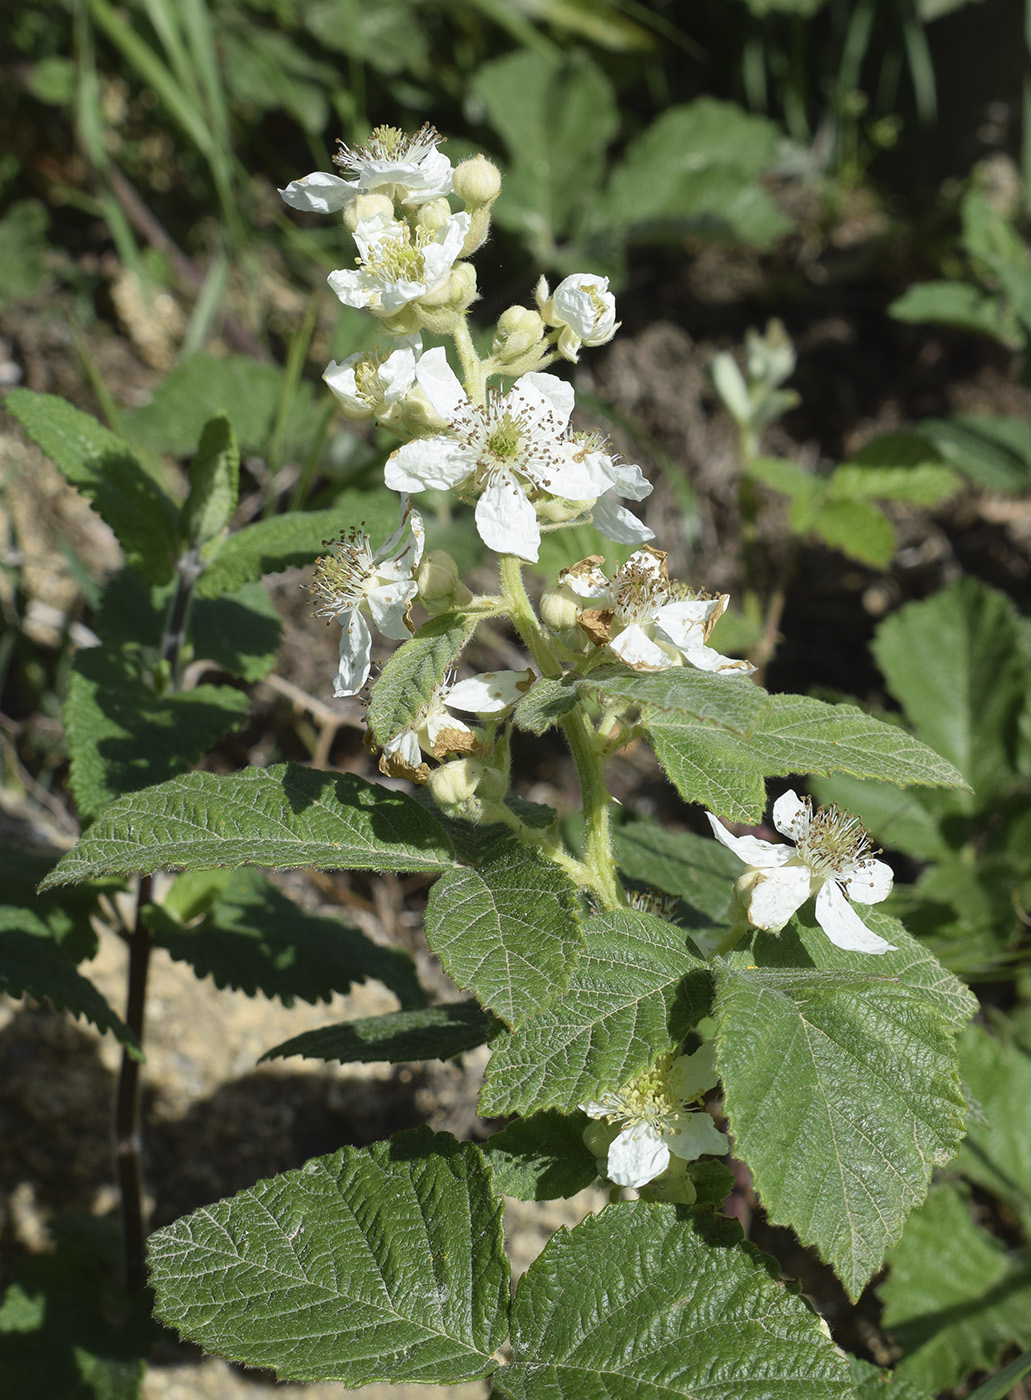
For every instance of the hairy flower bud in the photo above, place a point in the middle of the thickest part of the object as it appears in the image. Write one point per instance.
(453, 786)
(519, 330)
(476, 181)
(366, 206)
(434, 215)
(440, 588)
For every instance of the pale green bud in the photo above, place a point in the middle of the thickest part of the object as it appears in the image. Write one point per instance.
(453, 786)
(519, 330)
(557, 510)
(366, 206)
(731, 387)
(476, 181)
(598, 1138)
(434, 214)
(770, 357)
(440, 588)
(462, 289)
(493, 785)
(560, 609)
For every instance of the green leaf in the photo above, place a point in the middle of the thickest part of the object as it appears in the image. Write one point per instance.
(629, 1000)
(958, 304)
(292, 541)
(732, 702)
(32, 964)
(409, 677)
(254, 939)
(65, 918)
(431, 1033)
(214, 485)
(906, 821)
(700, 871)
(542, 1157)
(897, 467)
(955, 1297)
(802, 735)
(240, 631)
(546, 703)
(698, 164)
(710, 766)
(509, 930)
(995, 451)
(791, 480)
(67, 1331)
(872, 1383)
(246, 391)
(283, 817)
(23, 249)
(858, 529)
(957, 665)
(997, 1387)
(556, 117)
(123, 737)
(642, 1302)
(378, 1265)
(842, 1092)
(109, 475)
(997, 1069)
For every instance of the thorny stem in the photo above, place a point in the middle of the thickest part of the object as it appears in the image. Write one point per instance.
(127, 1104)
(599, 865)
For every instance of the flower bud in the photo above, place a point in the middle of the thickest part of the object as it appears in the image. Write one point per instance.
(453, 785)
(560, 609)
(440, 588)
(598, 1138)
(462, 289)
(366, 206)
(557, 510)
(519, 330)
(476, 181)
(434, 215)
(493, 785)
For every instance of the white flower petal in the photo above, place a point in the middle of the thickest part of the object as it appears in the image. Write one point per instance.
(355, 655)
(870, 883)
(440, 383)
(557, 394)
(489, 692)
(789, 814)
(588, 582)
(776, 895)
(623, 478)
(753, 850)
(694, 1134)
(388, 604)
(683, 623)
(318, 193)
(691, 1075)
(615, 522)
(438, 463)
(506, 520)
(842, 924)
(636, 648)
(637, 1156)
(708, 659)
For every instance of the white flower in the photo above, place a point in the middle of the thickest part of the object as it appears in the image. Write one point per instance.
(373, 384)
(832, 858)
(410, 170)
(435, 731)
(351, 581)
(655, 1123)
(607, 516)
(582, 309)
(507, 455)
(645, 619)
(398, 265)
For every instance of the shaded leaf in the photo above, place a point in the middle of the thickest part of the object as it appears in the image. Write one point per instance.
(103, 467)
(430, 1033)
(214, 485)
(409, 677)
(997, 1069)
(380, 1264)
(699, 870)
(542, 1157)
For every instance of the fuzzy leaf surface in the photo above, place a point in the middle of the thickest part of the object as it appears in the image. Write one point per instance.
(994, 1154)
(709, 765)
(123, 737)
(842, 1092)
(214, 484)
(955, 1297)
(429, 1033)
(545, 704)
(642, 1303)
(373, 1265)
(628, 1001)
(700, 871)
(114, 481)
(509, 930)
(283, 817)
(407, 680)
(253, 938)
